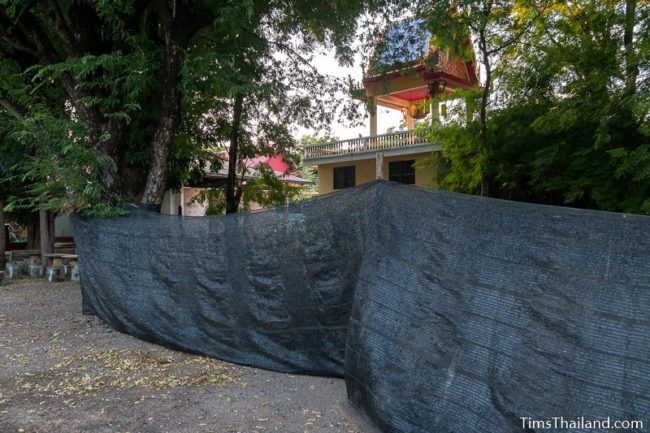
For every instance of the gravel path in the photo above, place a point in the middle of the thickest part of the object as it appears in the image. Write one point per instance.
(64, 372)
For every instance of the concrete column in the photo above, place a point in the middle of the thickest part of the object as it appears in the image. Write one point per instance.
(372, 107)
(379, 165)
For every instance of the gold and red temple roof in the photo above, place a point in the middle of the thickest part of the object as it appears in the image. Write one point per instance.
(407, 69)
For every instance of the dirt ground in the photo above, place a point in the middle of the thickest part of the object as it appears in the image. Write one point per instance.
(64, 372)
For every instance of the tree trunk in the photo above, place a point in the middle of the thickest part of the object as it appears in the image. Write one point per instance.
(233, 198)
(3, 235)
(629, 123)
(47, 33)
(113, 129)
(154, 190)
(175, 41)
(485, 97)
(51, 229)
(33, 232)
(44, 223)
(631, 64)
(15, 110)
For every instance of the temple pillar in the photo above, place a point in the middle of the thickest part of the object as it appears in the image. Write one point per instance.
(436, 117)
(410, 123)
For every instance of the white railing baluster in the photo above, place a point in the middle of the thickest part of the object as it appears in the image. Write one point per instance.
(364, 144)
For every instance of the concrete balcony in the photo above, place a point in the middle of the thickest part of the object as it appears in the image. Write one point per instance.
(391, 144)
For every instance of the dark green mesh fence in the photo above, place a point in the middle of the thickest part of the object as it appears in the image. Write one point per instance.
(444, 312)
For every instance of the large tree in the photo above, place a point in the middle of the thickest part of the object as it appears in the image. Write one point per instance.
(119, 64)
(569, 121)
(133, 72)
(262, 84)
(490, 26)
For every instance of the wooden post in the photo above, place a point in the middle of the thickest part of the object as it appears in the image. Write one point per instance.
(51, 230)
(44, 222)
(410, 124)
(372, 107)
(33, 232)
(3, 236)
(379, 165)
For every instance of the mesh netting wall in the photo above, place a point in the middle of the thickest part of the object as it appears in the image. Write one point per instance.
(444, 312)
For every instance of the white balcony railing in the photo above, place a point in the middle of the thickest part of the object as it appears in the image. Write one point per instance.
(393, 140)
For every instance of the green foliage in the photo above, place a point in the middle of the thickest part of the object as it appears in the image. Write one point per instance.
(267, 190)
(311, 173)
(462, 159)
(565, 125)
(115, 83)
(92, 74)
(265, 56)
(264, 190)
(214, 200)
(462, 152)
(59, 174)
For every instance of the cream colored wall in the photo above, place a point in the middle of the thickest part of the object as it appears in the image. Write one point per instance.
(171, 202)
(197, 208)
(424, 176)
(365, 172)
(191, 208)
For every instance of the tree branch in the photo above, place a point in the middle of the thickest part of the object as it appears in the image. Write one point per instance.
(631, 65)
(14, 109)
(296, 55)
(523, 31)
(60, 25)
(19, 46)
(164, 14)
(91, 115)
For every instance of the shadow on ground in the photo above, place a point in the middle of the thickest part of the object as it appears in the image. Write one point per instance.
(61, 371)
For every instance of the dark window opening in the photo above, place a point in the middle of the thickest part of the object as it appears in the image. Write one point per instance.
(402, 171)
(344, 177)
